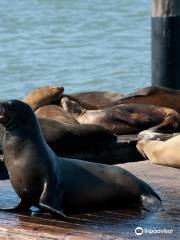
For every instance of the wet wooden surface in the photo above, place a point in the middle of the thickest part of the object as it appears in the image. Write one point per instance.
(119, 224)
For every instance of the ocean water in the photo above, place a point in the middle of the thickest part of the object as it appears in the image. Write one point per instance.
(83, 45)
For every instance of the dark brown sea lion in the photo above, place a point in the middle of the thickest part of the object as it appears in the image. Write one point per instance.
(125, 118)
(58, 185)
(56, 113)
(159, 96)
(87, 142)
(43, 96)
(95, 100)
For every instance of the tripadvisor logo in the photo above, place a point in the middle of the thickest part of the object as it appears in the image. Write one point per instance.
(139, 231)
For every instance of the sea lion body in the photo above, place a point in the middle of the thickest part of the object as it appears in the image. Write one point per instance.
(95, 100)
(159, 96)
(43, 96)
(98, 186)
(56, 113)
(161, 152)
(76, 136)
(125, 118)
(54, 184)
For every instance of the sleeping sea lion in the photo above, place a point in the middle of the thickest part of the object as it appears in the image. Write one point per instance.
(165, 153)
(43, 96)
(58, 185)
(125, 118)
(159, 96)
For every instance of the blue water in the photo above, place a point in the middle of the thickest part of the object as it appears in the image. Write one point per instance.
(82, 45)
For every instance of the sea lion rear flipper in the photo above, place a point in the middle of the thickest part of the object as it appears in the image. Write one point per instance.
(51, 201)
(151, 203)
(21, 207)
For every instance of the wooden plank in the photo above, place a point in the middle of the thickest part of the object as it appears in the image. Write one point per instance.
(119, 224)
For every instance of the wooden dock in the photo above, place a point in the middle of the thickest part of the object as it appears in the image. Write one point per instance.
(104, 225)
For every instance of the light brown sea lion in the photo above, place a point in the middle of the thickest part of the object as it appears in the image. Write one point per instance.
(95, 100)
(58, 185)
(159, 96)
(125, 118)
(56, 113)
(163, 153)
(43, 96)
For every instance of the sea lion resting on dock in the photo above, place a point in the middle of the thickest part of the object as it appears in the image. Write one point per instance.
(88, 142)
(165, 153)
(54, 184)
(125, 118)
(159, 96)
(52, 94)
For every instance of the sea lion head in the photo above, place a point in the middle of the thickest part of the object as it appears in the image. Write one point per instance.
(43, 96)
(15, 114)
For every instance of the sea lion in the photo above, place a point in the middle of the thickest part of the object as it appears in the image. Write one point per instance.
(56, 113)
(95, 100)
(125, 118)
(88, 142)
(161, 152)
(159, 96)
(58, 185)
(43, 96)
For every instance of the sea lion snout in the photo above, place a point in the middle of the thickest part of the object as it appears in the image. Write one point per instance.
(15, 113)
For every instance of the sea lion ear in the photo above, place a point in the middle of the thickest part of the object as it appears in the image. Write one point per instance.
(51, 200)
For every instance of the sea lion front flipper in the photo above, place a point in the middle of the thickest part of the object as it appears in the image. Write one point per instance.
(21, 207)
(51, 201)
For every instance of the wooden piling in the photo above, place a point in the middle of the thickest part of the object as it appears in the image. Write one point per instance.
(166, 43)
